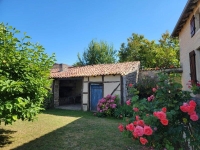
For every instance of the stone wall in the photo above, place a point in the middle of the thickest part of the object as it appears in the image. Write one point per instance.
(153, 73)
(56, 93)
(138, 75)
(131, 78)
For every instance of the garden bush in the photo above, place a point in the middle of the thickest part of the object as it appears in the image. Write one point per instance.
(126, 110)
(107, 105)
(168, 119)
(123, 111)
(145, 85)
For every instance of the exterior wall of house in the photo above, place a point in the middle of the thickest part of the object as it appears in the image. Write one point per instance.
(110, 83)
(188, 44)
(85, 99)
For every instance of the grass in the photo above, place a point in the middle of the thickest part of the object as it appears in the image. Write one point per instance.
(65, 130)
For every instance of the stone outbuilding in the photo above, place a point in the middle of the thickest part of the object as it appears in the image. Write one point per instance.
(86, 85)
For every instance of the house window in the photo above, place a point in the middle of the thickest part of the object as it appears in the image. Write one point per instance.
(192, 26)
(193, 66)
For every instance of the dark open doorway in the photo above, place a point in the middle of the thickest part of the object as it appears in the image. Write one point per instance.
(70, 91)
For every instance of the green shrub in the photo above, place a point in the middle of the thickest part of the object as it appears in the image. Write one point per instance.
(48, 102)
(123, 111)
(145, 85)
(170, 120)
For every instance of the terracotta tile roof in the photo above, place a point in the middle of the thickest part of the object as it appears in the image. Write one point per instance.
(96, 70)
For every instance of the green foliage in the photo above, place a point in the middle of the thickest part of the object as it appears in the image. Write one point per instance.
(97, 53)
(24, 76)
(195, 87)
(145, 85)
(173, 129)
(165, 54)
(126, 110)
(48, 101)
(123, 111)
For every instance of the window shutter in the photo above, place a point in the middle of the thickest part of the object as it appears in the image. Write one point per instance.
(193, 66)
(192, 26)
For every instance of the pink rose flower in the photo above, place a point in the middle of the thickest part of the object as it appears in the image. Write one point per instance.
(137, 117)
(140, 122)
(135, 135)
(130, 127)
(164, 109)
(135, 123)
(164, 122)
(128, 102)
(194, 117)
(148, 130)
(192, 103)
(135, 109)
(149, 99)
(184, 108)
(154, 89)
(152, 97)
(191, 109)
(192, 113)
(143, 141)
(121, 128)
(160, 115)
(139, 131)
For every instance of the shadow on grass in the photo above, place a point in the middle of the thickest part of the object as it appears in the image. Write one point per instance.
(5, 137)
(86, 133)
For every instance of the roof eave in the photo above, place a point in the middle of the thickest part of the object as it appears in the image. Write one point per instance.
(182, 19)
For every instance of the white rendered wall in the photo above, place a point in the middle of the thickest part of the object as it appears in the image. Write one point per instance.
(188, 44)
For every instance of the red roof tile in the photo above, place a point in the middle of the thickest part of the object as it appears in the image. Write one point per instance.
(96, 70)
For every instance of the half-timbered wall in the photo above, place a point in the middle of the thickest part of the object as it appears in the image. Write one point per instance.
(111, 85)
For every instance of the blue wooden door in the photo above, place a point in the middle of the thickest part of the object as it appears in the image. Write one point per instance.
(96, 93)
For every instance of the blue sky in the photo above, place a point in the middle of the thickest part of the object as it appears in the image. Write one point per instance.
(66, 27)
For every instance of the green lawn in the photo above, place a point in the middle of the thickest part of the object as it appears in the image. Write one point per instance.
(57, 129)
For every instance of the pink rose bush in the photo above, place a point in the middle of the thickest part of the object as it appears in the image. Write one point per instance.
(128, 102)
(106, 105)
(161, 115)
(150, 98)
(135, 109)
(190, 109)
(168, 119)
(138, 129)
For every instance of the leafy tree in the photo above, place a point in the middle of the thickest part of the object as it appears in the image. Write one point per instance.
(164, 54)
(24, 76)
(167, 53)
(97, 53)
